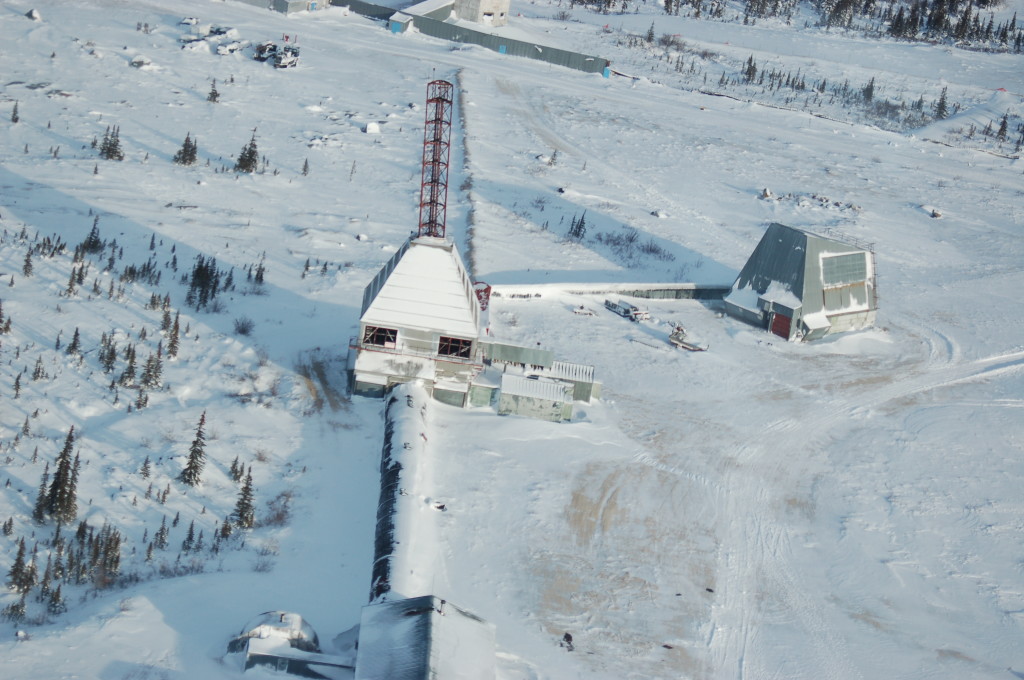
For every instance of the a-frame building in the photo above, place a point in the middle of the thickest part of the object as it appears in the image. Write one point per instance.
(420, 320)
(803, 286)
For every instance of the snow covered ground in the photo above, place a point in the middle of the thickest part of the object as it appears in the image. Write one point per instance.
(843, 509)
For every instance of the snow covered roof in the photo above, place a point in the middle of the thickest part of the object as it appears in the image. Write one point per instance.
(282, 628)
(535, 388)
(423, 637)
(564, 370)
(424, 286)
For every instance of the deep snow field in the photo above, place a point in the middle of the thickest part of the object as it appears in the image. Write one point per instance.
(763, 510)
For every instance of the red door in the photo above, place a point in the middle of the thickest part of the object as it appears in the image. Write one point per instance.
(780, 325)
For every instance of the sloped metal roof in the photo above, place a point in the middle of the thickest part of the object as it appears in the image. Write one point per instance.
(424, 286)
(424, 638)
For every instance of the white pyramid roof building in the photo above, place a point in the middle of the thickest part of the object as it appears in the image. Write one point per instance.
(420, 321)
(424, 286)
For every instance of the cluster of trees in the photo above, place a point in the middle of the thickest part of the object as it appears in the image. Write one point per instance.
(189, 151)
(205, 281)
(578, 227)
(91, 557)
(110, 147)
(956, 20)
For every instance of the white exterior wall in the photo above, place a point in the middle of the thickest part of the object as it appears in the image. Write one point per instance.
(489, 12)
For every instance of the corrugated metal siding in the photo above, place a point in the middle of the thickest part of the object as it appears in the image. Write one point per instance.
(564, 370)
(513, 354)
(517, 385)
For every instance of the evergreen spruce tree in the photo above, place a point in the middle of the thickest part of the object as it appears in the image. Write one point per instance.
(26, 266)
(174, 340)
(93, 244)
(61, 501)
(39, 370)
(151, 374)
(188, 152)
(146, 470)
(17, 386)
(14, 113)
(160, 537)
(193, 471)
(305, 167)
(214, 95)
(16, 574)
(56, 606)
(39, 511)
(245, 509)
(942, 108)
(110, 147)
(249, 158)
(190, 538)
(127, 378)
(75, 346)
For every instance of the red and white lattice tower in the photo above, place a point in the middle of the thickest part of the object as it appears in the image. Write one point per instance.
(436, 145)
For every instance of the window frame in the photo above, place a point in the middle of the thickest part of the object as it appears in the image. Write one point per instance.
(379, 336)
(460, 348)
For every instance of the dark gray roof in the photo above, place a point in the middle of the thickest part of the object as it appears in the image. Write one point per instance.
(779, 256)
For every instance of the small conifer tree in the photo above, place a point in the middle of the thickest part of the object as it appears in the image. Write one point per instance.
(192, 473)
(75, 346)
(62, 499)
(188, 152)
(14, 113)
(249, 158)
(942, 108)
(214, 95)
(245, 508)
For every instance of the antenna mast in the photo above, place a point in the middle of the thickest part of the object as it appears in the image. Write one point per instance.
(436, 147)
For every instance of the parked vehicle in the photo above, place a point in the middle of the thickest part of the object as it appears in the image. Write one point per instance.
(626, 310)
(265, 51)
(679, 339)
(232, 47)
(287, 57)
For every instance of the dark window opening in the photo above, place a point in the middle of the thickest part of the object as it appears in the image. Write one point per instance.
(454, 347)
(380, 337)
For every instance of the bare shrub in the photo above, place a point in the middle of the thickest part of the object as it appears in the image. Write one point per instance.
(244, 325)
(278, 510)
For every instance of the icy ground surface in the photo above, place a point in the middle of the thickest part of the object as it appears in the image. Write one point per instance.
(845, 509)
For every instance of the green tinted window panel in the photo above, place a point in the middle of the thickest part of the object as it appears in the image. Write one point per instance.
(842, 269)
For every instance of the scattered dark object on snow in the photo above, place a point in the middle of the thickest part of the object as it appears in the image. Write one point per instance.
(710, 590)
(567, 642)
(667, 646)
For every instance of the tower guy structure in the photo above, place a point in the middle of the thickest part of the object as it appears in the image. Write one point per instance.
(437, 133)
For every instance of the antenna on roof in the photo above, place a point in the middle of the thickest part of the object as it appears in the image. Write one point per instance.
(436, 147)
